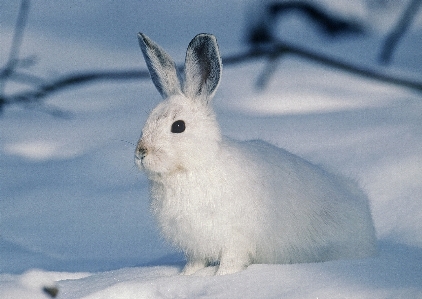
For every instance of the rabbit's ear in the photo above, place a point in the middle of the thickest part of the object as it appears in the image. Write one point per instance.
(202, 67)
(161, 67)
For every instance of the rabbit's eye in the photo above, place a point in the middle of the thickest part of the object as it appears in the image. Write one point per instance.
(178, 126)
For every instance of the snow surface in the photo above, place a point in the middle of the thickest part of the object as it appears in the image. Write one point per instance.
(74, 209)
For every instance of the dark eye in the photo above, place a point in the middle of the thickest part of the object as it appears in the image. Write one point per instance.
(178, 126)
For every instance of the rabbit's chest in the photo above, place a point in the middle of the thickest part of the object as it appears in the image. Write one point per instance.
(184, 212)
(190, 207)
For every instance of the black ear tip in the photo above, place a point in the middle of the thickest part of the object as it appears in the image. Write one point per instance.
(145, 42)
(204, 41)
(142, 37)
(205, 37)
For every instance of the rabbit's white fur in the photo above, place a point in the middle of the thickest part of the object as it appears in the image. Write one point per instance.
(232, 202)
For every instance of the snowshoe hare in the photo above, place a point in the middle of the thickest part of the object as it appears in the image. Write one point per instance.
(235, 203)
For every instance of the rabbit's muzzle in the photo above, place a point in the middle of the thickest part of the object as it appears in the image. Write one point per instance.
(153, 158)
(141, 152)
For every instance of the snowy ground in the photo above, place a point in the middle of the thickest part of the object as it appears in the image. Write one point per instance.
(73, 204)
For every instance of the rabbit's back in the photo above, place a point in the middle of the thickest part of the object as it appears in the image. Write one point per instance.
(308, 214)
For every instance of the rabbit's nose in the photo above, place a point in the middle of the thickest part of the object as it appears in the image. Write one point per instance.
(141, 152)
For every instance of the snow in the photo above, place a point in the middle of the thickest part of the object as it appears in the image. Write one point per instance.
(74, 208)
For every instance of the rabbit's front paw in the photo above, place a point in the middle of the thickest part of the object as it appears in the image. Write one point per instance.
(193, 266)
(230, 264)
(225, 270)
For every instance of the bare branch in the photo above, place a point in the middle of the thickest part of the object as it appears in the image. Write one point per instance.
(270, 68)
(348, 67)
(271, 53)
(398, 31)
(330, 24)
(265, 15)
(68, 81)
(16, 44)
(25, 78)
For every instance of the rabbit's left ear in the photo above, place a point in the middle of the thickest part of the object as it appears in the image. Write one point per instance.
(161, 67)
(202, 68)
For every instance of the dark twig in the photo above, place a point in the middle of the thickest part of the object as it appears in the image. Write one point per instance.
(27, 79)
(12, 60)
(398, 31)
(74, 80)
(16, 44)
(52, 291)
(330, 24)
(270, 68)
(348, 67)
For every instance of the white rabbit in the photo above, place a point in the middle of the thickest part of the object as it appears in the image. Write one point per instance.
(236, 203)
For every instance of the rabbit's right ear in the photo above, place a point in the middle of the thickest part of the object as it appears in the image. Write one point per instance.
(202, 68)
(161, 67)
